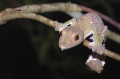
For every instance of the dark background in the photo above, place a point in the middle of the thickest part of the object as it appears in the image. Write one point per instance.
(29, 49)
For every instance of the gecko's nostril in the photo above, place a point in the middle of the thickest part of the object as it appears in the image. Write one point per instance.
(76, 37)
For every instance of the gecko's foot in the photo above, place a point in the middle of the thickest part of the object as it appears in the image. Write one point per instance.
(95, 64)
(98, 49)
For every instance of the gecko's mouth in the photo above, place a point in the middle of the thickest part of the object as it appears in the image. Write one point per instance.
(63, 48)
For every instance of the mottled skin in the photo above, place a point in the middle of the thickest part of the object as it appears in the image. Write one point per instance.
(78, 31)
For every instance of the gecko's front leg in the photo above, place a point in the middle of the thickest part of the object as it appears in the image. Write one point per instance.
(60, 26)
(96, 45)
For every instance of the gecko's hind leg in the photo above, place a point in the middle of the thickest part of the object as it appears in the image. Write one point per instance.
(99, 48)
(96, 48)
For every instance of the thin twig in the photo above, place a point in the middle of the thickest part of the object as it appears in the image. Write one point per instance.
(113, 36)
(14, 15)
(50, 7)
(105, 52)
(64, 7)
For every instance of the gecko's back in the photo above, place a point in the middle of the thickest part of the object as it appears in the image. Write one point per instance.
(91, 22)
(90, 25)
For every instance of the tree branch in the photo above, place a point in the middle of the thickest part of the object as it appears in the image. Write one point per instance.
(50, 7)
(105, 52)
(113, 36)
(64, 7)
(10, 14)
(68, 8)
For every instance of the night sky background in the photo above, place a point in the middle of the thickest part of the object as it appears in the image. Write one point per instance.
(29, 49)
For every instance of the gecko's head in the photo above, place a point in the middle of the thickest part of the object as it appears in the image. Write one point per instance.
(70, 37)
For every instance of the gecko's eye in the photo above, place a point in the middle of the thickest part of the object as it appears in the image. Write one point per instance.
(76, 37)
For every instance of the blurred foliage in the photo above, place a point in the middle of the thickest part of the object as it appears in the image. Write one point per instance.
(46, 39)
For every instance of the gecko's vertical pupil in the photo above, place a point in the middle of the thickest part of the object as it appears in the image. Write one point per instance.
(76, 37)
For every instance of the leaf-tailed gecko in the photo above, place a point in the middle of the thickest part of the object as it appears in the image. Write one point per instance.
(91, 27)
(73, 32)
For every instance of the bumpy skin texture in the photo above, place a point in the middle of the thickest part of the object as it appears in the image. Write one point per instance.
(89, 24)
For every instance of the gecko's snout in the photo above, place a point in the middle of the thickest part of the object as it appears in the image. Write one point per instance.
(62, 47)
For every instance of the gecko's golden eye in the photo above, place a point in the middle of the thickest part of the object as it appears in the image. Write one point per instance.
(76, 37)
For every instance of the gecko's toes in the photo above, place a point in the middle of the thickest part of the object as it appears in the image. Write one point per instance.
(95, 64)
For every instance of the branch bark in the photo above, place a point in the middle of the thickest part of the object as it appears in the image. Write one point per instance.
(10, 14)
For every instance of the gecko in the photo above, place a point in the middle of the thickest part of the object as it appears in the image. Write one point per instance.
(89, 26)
